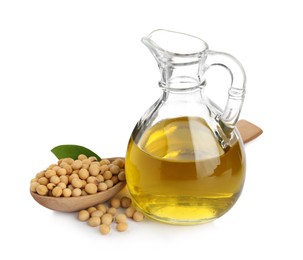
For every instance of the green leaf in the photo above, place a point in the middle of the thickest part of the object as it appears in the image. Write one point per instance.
(72, 151)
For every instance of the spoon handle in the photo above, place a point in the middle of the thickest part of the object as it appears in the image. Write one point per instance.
(248, 130)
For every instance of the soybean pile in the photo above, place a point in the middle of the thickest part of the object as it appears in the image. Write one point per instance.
(74, 178)
(104, 216)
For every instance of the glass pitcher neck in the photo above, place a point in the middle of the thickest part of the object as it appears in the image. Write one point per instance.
(181, 77)
(188, 95)
(186, 103)
(180, 57)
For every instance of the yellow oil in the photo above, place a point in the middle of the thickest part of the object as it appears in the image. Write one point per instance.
(177, 173)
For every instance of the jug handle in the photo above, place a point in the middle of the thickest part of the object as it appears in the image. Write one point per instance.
(236, 93)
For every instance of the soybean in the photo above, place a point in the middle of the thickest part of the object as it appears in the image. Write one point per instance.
(94, 221)
(138, 216)
(121, 227)
(107, 219)
(104, 229)
(42, 189)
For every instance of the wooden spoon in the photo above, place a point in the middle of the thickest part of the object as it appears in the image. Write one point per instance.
(248, 132)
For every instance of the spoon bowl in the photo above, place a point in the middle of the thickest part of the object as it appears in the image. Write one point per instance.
(71, 204)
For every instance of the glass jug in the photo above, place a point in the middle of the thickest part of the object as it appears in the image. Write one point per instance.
(185, 161)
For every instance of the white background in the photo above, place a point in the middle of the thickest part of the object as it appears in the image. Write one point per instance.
(76, 72)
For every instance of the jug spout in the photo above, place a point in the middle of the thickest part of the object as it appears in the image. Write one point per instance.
(180, 58)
